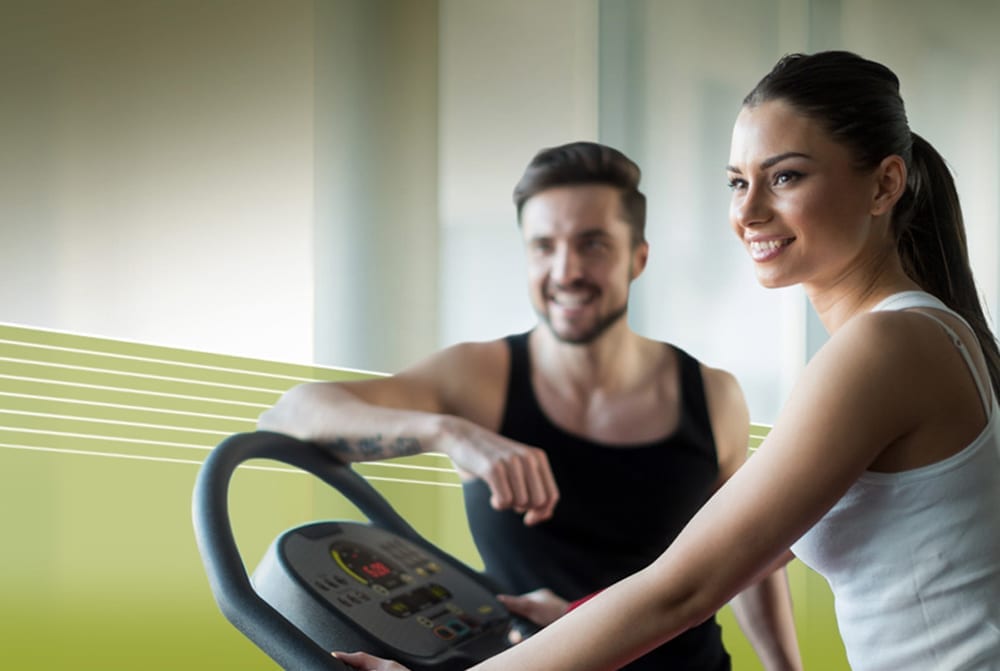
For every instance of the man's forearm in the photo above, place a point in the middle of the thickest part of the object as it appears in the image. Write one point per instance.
(352, 429)
(764, 613)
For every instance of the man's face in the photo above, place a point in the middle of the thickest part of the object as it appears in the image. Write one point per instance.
(581, 260)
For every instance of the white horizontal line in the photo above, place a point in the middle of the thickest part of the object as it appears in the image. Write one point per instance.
(122, 406)
(133, 357)
(189, 446)
(144, 425)
(115, 439)
(139, 375)
(140, 457)
(411, 482)
(437, 469)
(103, 387)
(123, 341)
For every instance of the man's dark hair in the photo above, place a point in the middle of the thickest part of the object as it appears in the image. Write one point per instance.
(579, 163)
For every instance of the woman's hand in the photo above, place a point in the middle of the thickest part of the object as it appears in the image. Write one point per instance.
(366, 662)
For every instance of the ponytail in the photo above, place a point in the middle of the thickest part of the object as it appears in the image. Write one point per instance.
(931, 240)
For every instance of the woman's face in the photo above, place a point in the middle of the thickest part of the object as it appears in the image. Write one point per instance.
(800, 206)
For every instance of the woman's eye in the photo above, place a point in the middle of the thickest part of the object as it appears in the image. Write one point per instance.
(786, 176)
(735, 183)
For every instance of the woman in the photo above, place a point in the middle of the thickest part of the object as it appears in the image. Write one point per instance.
(882, 472)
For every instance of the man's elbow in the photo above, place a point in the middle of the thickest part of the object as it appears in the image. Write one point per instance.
(280, 416)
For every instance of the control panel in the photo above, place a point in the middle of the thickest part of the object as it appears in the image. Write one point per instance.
(415, 604)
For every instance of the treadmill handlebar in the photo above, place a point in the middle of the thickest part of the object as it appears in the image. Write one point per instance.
(227, 575)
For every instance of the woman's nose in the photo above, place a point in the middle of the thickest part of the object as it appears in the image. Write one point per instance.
(749, 207)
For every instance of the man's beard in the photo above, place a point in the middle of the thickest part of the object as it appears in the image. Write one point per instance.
(589, 336)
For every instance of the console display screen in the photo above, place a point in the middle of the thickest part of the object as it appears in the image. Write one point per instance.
(365, 565)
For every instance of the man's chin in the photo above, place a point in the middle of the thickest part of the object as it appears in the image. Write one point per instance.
(583, 336)
(572, 338)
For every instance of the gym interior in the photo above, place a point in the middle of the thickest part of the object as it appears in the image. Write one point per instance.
(183, 186)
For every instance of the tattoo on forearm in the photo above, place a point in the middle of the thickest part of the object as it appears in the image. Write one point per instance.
(341, 448)
(371, 448)
(405, 446)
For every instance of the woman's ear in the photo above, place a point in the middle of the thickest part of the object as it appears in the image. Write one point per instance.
(890, 184)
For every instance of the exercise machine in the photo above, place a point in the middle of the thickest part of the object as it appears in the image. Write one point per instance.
(378, 586)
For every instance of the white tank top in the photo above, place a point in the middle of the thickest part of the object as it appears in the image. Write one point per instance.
(913, 558)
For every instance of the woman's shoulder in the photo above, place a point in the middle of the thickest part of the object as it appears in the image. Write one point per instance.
(902, 364)
(895, 336)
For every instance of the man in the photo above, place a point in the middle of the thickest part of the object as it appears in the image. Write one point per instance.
(584, 447)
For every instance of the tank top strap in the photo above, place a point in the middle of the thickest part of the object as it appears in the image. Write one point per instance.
(520, 401)
(920, 299)
(693, 395)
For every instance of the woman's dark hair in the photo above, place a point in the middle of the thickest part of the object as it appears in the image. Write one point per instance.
(858, 103)
(586, 163)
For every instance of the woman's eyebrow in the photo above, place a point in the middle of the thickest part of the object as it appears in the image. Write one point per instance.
(774, 160)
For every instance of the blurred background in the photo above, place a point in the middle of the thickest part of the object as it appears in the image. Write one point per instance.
(204, 202)
(328, 181)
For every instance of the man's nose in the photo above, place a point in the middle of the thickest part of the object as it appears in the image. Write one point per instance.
(566, 266)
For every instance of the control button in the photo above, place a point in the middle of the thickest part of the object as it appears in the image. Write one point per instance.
(425, 621)
(397, 608)
(459, 628)
(472, 622)
(439, 591)
(378, 589)
(444, 633)
(485, 609)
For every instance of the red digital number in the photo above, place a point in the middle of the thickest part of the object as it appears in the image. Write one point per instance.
(376, 569)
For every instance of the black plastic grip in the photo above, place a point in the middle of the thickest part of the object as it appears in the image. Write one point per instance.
(227, 574)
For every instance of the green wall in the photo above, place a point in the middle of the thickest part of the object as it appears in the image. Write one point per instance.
(100, 443)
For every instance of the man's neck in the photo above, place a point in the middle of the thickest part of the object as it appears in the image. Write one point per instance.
(607, 362)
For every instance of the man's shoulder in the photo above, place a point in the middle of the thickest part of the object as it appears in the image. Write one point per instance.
(471, 359)
(715, 380)
(476, 349)
(707, 369)
(471, 379)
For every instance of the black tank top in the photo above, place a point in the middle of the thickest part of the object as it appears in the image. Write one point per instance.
(619, 507)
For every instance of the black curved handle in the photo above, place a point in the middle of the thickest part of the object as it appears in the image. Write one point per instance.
(227, 575)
